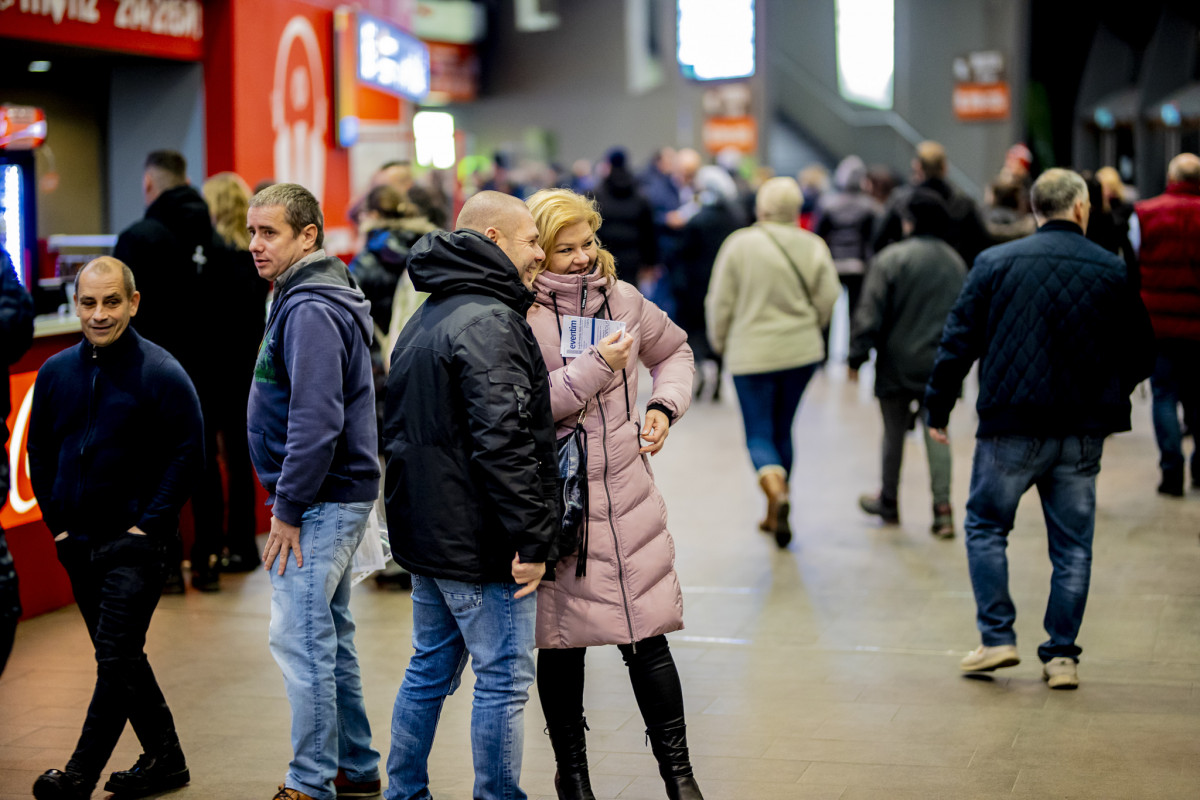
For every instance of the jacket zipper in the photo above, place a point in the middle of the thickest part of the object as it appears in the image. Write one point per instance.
(612, 525)
(87, 432)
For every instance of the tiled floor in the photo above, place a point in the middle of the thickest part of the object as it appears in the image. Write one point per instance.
(829, 671)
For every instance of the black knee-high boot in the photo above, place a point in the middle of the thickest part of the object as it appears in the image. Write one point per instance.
(560, 689)
(660, 698)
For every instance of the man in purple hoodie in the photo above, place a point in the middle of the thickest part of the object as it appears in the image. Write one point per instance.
(311, 424)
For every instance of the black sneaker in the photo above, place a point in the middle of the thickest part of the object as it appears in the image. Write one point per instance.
(874, 504)
(150, 775)
(206, 580)
(1172, 482)
(56, 785)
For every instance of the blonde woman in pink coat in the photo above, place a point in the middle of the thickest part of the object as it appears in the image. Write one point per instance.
(625, 591)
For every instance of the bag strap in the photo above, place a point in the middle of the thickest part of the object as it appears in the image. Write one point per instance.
(791, 263)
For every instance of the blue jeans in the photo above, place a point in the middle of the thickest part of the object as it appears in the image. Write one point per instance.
(1176, 381)
(452, 619)
(1064, 471)
(769, 401)
(312, 639)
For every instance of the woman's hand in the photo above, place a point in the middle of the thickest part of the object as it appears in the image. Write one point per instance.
(615, 349)
(655, 431)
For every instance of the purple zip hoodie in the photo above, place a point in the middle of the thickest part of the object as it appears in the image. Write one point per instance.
(311, 415)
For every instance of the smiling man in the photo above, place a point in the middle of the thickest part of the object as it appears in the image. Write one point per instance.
(115, 444)
(311, 421)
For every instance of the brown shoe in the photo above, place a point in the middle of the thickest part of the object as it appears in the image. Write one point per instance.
(285, 793)
(773, 481)
(348, 788)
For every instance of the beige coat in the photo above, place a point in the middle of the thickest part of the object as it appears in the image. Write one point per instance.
(759, 317)
(630, 591)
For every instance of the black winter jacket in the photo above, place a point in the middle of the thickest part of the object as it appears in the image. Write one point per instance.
(167, 251)
(911, 287)
(114, 438)
(471, 474)
(1061, 336)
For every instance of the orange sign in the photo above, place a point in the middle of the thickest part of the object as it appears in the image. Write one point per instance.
(975, 102)
(22, 507)
(722, 133)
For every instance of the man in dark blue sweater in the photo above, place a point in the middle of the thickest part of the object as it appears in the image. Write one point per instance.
(311, 422)
(1062, 339)
(115, 444)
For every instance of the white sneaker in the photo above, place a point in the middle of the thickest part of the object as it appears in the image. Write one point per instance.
(1061, 673)
(986, 659)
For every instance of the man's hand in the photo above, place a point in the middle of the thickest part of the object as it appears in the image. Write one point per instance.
(939, 435)
(615, 349)
(530, 575)
(283, 538)
(655, 431)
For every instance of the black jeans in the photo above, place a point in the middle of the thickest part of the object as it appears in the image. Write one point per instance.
(651, 671)
(117, 580)
(10, 601)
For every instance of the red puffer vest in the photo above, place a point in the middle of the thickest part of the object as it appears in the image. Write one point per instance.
(1170, 261)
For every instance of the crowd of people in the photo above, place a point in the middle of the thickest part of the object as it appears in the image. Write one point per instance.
(448, 365)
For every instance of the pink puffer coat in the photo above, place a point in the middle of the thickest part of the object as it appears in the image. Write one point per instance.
(630, 591)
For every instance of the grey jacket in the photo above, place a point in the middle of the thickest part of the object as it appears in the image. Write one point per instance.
(909, 291)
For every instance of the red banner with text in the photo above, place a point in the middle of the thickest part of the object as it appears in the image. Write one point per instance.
(163, 28)
(22, 507)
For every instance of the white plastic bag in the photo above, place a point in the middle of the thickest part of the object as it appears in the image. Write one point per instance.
(373, 551)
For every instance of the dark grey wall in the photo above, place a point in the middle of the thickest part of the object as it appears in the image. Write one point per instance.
(571, 81)
(155, 105)
(802, 82)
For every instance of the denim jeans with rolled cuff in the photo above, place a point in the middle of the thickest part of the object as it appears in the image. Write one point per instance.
(1064, 471)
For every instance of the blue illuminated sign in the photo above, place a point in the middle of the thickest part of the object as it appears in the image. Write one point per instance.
(391, 60)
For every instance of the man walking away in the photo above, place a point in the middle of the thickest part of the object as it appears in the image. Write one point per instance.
(1165, 233)
(909, 292)
(1062, 339)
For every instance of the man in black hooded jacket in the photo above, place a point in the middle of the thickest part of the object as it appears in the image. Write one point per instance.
(167, 250)
(470, 485)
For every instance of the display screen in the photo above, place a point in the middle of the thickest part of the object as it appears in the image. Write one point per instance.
(716, 39)
(11, 203)
(866, 47)
(391, 60)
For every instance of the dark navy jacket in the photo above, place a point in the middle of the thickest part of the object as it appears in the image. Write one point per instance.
(311, 415)
(115, 438)
(1061, 337)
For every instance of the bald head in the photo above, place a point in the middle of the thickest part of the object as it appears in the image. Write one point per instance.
(1184, 168)
(489, 209)
(931, 160)
(106, 266)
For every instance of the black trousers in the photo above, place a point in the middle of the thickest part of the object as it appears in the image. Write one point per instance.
(117, 580)
(652, 673)
(10, 601)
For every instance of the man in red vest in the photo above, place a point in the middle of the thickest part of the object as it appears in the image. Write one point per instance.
(1165, 231)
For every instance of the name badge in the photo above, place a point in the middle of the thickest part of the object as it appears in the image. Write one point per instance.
(580, 333)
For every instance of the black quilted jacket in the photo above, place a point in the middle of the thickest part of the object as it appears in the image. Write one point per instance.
(1061, 337)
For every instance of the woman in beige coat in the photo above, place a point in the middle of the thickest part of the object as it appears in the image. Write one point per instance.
(619, 587)
(771, 295)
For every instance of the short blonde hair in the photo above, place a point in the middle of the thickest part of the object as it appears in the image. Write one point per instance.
(778, 200)
(228, 198)
(555, 209)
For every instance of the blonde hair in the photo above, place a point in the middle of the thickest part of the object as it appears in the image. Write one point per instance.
(555, 209)
(778, 200)
(228, 198)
